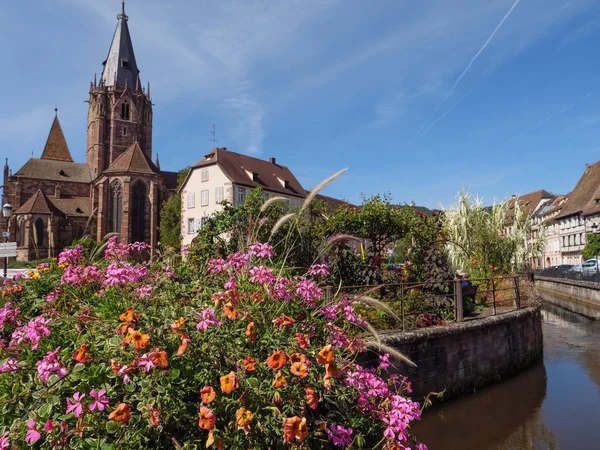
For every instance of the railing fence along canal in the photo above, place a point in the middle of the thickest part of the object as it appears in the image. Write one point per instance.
(422, 304)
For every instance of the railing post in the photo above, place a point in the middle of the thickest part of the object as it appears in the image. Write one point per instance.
(493, 294)
(328, 293)
(402, 303)
(459, 300)
(517, 292)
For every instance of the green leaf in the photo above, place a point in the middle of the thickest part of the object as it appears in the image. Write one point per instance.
(112, 427)
(45, 410)
(174, 373)
(253, 382)
(78, 368)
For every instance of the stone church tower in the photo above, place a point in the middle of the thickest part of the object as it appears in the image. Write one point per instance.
(118, 190)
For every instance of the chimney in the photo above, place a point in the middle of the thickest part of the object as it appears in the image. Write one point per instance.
(272, 160)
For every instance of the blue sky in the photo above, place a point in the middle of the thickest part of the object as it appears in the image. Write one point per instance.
(328, 84)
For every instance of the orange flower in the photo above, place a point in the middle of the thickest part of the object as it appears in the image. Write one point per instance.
(326, 355)
(279, 381)
(249, 363)
(229, 382)
(154, 416)
(256, 297)
(251, 332)
(207, 418)
(176, 326)
(277, 360)
(124, 328)
(294, 430)
(243, 417)
(208, 394)
(230, 311)
(332, 370)
(81, 355)
(312, 399)
(299, 369)
(284, 321)
(121, 414)
(140, 340)
(129, 315)
(303, 340)
(327, 382)
(159, 358)
(114, 366)
(218, 298)
(297, 357)
(184, 344)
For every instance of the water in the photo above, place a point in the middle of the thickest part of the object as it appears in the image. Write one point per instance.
(553, 404)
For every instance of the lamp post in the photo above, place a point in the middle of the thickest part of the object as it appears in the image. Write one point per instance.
(6, 213)
(595, 232)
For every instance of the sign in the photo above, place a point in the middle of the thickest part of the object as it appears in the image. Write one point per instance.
(6, 234)
(8, 249)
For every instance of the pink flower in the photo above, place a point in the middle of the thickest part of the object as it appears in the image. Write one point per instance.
(318, 270)
(50, 364)
(49, 426)
(309, 291)
(230, 284)
(75, 406)
(32, 433)
(124, 371)
(262, 251)
(4, 441)
(216, 265)
(261, 275)
(71, 256)
(146, 362)
(340, 436)
(144, 291)
(100, 401)
(208, 319)
(9, 366)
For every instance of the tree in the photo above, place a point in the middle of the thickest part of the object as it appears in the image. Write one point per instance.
(170, 215)
(592, 246)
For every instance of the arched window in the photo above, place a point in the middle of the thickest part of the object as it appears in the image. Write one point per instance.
(21, 233)
(125, 110)
(39, 232)
(138, 212)
(115, 207)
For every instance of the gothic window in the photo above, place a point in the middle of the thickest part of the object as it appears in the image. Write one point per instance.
(124, 131)
(39, 232)
(115, 207)
(138, 210)
(21, 233)
(125, 110)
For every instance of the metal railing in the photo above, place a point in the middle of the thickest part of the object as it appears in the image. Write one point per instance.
(417, 305)
(575, 273)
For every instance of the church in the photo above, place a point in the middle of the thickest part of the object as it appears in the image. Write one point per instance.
(118, 190)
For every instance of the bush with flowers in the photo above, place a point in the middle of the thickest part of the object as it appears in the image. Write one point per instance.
(181, 353)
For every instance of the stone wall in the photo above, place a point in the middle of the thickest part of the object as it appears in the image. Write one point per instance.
(581, 297)
(463, 357)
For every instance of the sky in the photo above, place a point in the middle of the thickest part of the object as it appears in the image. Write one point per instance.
(418, 99)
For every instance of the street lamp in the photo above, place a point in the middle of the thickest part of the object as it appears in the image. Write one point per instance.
(595, 231)
(6, 213)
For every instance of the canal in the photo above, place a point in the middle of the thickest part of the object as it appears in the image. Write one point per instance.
(554, 404)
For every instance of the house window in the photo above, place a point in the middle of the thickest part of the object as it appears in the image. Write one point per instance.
(125, 110)
(191, 200)
(241, 195)
(218, 195)
(204, 175)
(204, 198)
(191, 226)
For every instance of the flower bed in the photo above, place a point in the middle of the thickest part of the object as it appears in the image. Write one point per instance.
(181, 354)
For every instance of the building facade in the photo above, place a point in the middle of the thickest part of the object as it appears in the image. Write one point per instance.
(117, 190)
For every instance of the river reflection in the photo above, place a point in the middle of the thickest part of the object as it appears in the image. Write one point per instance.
(553, 404)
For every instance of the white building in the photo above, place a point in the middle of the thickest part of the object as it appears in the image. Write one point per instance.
(223, 175)
(544, 219)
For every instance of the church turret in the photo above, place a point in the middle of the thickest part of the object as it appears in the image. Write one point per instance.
(120, 113)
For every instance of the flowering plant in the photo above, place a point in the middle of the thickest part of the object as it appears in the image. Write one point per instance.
(231, 353)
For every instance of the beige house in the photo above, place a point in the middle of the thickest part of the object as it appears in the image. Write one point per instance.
(223, 175)
(544, 219)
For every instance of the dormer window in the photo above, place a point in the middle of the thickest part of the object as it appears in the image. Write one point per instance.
(598, 201)
(62, 173)
(125, 63)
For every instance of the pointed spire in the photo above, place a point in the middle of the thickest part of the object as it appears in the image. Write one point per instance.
(120, 66)
(56, 147)
(148, 93)
(157, 162)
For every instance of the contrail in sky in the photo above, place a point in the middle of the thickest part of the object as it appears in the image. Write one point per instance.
(556, 113)
(464, 72)
(446, 113)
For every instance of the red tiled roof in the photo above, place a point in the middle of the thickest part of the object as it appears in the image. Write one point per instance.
(56, 146)
(528, 202)
(133, 160)
(38, 203)
(267, 174)
(583, 199)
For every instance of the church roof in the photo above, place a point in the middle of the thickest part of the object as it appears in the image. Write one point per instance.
(120, 63)
(133, 160)
(74, 206)
(55, 170)
(38, 203)
(56, 146)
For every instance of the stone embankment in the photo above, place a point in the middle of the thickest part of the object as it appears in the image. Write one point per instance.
(578, 296)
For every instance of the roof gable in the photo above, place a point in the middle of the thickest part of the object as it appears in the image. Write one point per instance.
(56, 147)
(38, 203)
(583, 198)
(133, 160)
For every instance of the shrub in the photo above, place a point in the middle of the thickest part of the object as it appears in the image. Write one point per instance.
(233, 353)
